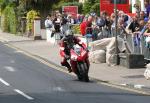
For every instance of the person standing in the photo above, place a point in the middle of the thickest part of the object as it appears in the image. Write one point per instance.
(49, 28)
(147, 8)
(57, 22)
(64, 26)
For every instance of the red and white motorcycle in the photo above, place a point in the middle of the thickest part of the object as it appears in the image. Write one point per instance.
(79, 62)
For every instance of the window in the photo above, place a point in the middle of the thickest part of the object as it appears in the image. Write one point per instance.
(119, 1)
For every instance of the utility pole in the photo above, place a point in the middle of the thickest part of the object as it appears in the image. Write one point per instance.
(116, 33)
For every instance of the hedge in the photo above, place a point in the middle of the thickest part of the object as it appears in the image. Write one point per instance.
(31, 15)
(8, 20)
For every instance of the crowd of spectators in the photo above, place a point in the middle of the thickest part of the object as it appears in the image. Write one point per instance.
(103, 26)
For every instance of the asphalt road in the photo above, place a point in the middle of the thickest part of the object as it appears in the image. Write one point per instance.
(25, 80)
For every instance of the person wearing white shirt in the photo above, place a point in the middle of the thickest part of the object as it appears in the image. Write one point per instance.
(49, 29)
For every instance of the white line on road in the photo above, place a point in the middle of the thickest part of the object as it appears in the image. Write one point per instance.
(23, 94)
(18, 51)
(58, 89)
(123, 84)
(8, 68)
(4, 82)
(138, 86)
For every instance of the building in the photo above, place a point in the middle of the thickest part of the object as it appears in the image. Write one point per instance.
(81, 1)
(139, 2)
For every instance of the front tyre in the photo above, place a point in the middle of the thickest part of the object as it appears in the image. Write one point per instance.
(83, 71)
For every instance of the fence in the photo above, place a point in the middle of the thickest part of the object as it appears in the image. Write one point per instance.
(137, 44)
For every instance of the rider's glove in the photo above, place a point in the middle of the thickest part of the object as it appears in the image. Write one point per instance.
(67, 57)
(86, 49)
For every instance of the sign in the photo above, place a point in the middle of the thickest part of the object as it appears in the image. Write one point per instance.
(108, 5)
(73, 10)
(105, 2)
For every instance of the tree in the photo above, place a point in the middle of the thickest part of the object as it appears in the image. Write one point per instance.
(3, 4)
(91, 5)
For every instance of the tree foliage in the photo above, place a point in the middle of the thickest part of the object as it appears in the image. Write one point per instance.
(3, 4)
(31, 15)
(8, 19)
(91, 5)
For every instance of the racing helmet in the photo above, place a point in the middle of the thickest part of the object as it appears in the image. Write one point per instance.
(69, 33)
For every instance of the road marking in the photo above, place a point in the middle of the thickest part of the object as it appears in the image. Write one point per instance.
(124, 88)
(12, 61)
(11, 69)
(18, 51)
(23, 94)
(58, 89)
(4, 82)
(138, 86)
(123, 84)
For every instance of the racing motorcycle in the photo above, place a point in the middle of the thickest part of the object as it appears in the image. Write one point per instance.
(79, 62)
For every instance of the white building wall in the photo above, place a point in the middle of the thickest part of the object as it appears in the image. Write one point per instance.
(81, 1)
(142, 5)
(133, 9)
(134, 1)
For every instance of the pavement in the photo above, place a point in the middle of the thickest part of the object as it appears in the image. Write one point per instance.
(114, 75)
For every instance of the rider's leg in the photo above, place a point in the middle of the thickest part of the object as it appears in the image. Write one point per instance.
(66, 64)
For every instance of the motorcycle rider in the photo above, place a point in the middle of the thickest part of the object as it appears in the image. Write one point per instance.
(67, 42)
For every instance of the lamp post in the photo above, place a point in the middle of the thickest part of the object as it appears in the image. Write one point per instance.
(116, 33)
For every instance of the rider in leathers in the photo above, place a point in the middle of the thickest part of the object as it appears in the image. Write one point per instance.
(65, 45)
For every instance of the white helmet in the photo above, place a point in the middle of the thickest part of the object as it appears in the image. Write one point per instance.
(68, 32)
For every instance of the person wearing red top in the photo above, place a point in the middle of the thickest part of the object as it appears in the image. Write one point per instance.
(83, 26)
(86, 23)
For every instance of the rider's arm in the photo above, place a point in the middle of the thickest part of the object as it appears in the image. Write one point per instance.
(80, 43)
(62, 48)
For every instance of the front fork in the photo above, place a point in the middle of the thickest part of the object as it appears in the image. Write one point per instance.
(74, 65)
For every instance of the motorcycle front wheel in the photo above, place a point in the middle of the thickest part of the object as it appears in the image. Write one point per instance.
(82, 71)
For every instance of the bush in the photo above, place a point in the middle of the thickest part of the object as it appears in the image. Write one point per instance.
(31, 15)
(12, 22)
(4, 22)
(8, 20)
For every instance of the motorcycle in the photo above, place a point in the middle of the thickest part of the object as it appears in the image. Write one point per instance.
(79, 62)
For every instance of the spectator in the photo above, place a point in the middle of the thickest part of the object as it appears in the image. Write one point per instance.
(64, 26)
(134, 25)
(138, 9)
(83, 26)
(70, 19)
(147, 33)
(64, 14)
(101, 21)
(120, 13)
(49, 28)
(57, 21)
(147, 8)
(112, 17)
(95, 28)
(142, 15)
(89, 25)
